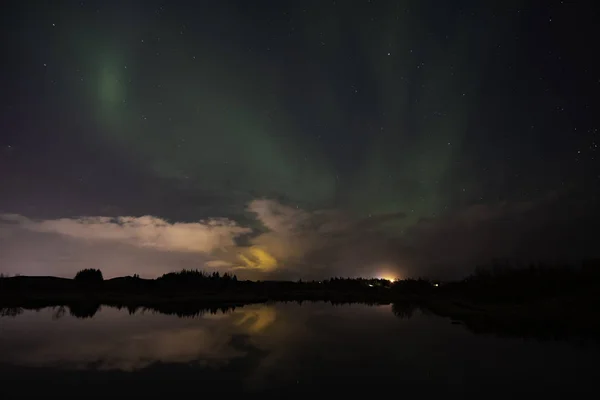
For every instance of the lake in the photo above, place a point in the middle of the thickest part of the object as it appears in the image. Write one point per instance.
(280, 348)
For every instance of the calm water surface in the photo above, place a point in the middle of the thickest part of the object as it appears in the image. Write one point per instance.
(282, 348)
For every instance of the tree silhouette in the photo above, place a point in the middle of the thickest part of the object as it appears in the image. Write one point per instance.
(197, 279)
(89, 275)
(84, 309)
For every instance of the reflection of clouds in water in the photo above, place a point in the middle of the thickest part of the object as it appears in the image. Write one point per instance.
(300, 327)
(264, 337)
(257, 319)
(178, 346)
(116, 340)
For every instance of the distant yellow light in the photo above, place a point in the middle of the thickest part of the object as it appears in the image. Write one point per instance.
(436, 284)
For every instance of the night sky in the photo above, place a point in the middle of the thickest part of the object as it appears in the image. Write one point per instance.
(297, 139)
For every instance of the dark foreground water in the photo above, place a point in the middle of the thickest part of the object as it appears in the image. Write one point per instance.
(285, 349)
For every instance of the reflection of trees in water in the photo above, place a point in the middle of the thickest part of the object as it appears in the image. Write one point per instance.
(10, 311)
(193, 311)
(480, 323)
(87, 309)
(181, 310)
(84, 310)
(59, 312)
(77, 310)
(404, 309)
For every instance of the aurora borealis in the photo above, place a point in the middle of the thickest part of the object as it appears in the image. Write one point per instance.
(345, 138)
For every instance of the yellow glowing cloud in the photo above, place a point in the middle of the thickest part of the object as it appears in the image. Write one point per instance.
(258, 258)
(247, 262)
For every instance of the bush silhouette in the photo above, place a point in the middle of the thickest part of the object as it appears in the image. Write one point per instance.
(89, 276)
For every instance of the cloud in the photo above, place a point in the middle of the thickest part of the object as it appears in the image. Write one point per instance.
(317, 244)
(451, 245)
(314, 244)
(549, 229)
(147, 231)
(218, 264)
(279, 218)
(147, 246)
(296, 243)
(258, 258)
